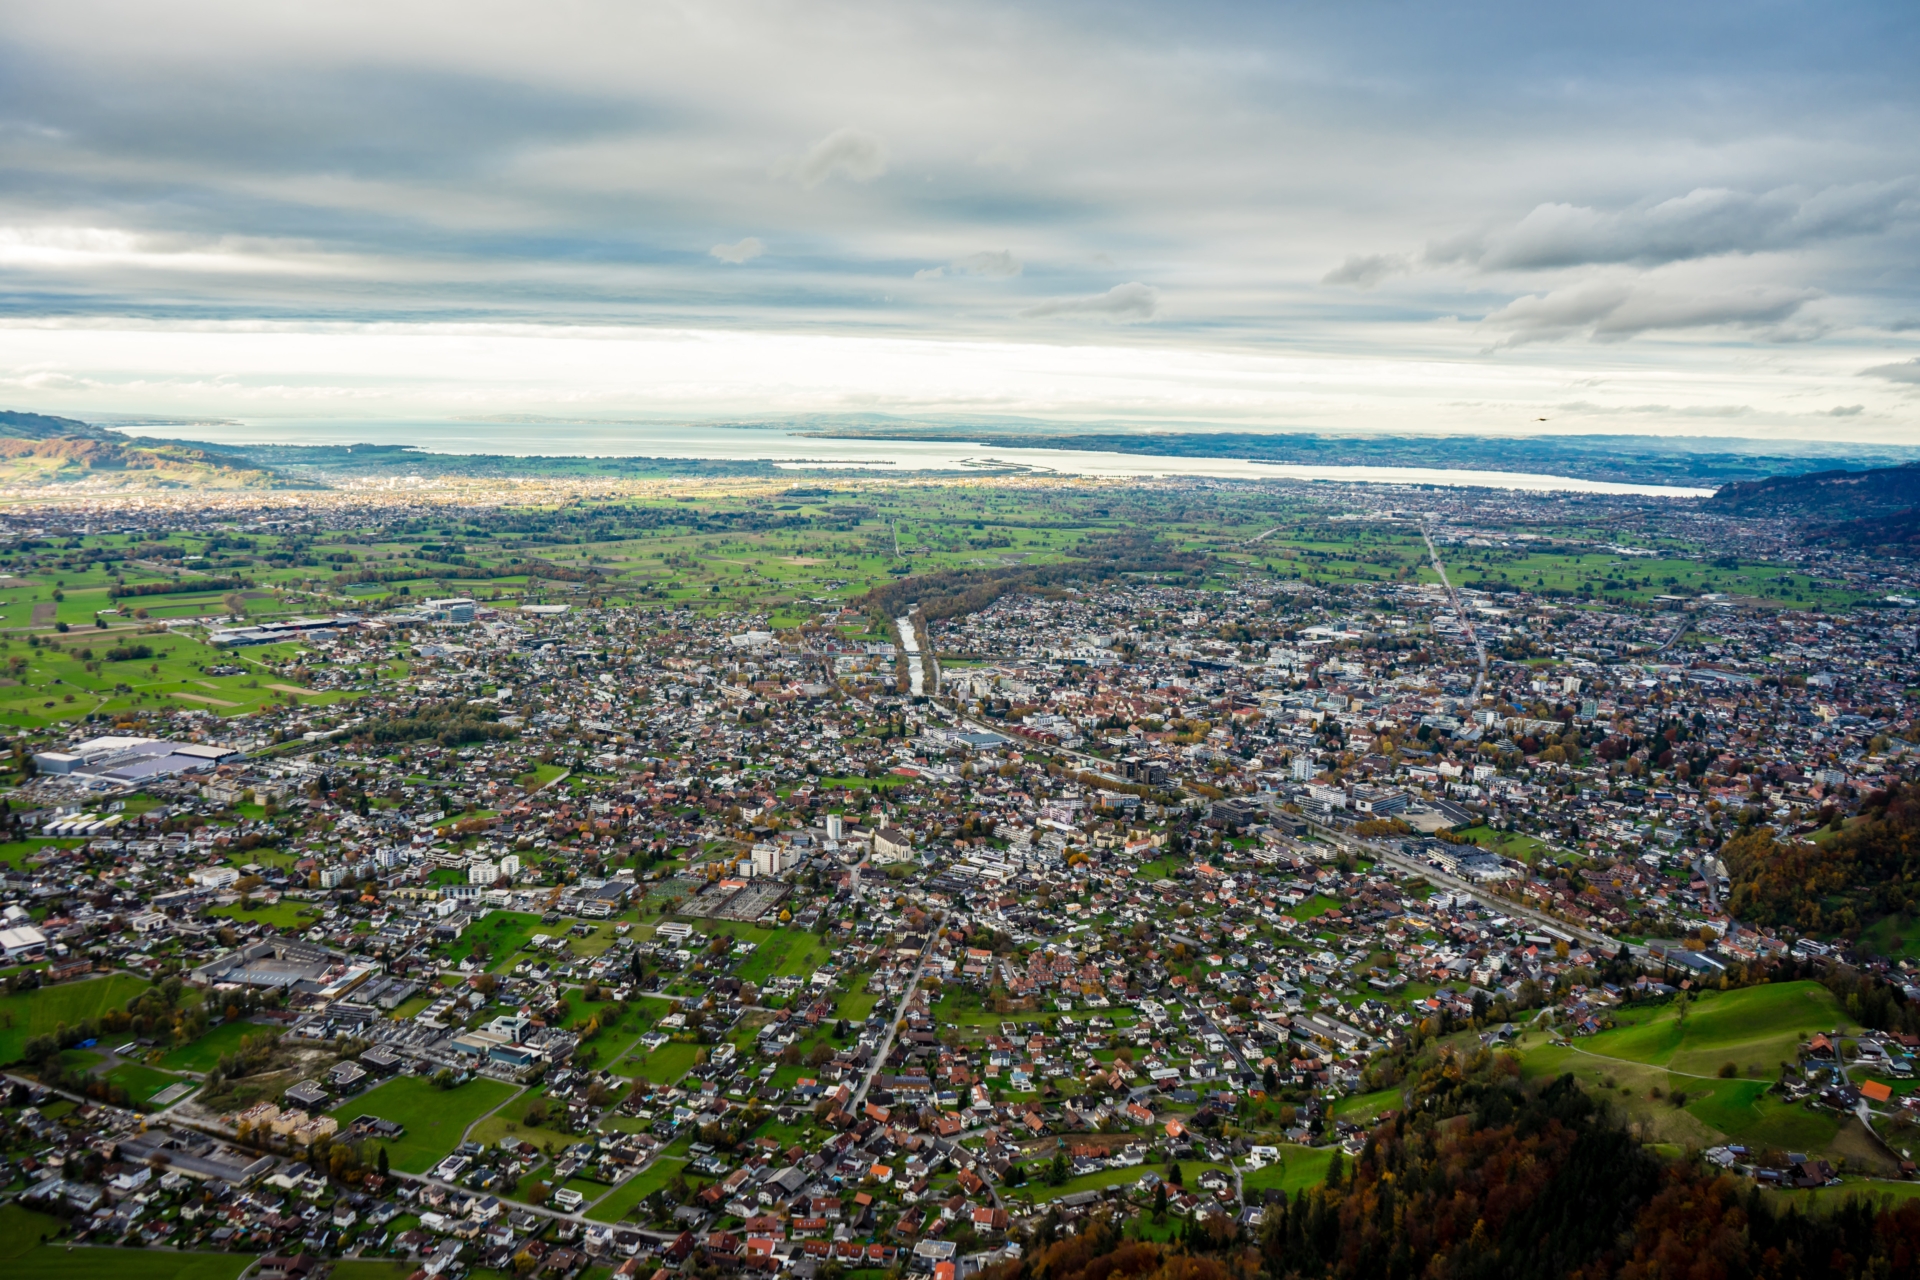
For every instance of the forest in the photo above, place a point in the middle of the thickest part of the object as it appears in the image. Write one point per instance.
(1853, 874)
(1486, 1177)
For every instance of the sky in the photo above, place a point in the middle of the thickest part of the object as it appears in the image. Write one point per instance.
(1694, 219)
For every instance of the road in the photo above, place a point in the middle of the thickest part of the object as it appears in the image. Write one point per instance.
(893, 1023)
(1195, 1013)
(1453, 884)
(1460, 615)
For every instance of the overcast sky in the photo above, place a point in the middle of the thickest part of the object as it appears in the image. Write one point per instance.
(1686, 218)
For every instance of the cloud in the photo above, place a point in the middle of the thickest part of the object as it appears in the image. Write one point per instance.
(994, 265)
(1706, 222)
(1903, 371)
(1131, 303)
(1846, 411)
(741, 251)
(1611, 310)
(844, 153)
(1001, 155)
(1365, 270)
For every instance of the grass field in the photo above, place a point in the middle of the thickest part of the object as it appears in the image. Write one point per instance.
(637, 1188)
(788, 952)
(36, 1013)
(664, 1065)
(287, 916)
(1508, 844)
(205, 1053)
(85, 1262)
(76, 674)
(372, 1269)
(435, 1119)
(21, 1229)
(1299, 1168)
(1362, 1107)
(140, 1082)
(510, 1121)
(1742, 1110)
(500, 936)
(1757, 1027)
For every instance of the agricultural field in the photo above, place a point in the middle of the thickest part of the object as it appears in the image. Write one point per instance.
(66, 609)
(436, 1120)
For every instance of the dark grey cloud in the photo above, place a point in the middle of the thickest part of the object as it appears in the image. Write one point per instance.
(1703, 223)
(1131, 303)
(1612, 310)
(1900, 371)
(1366, 270)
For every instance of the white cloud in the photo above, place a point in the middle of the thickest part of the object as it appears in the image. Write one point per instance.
(1131, 303)
(745, 250)
(844, 153)
(994, 265)
(1002, 155)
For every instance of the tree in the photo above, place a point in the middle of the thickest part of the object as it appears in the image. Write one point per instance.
(381, 1162)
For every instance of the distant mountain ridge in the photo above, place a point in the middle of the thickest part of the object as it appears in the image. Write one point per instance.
(41, 451)
(18, 425)
(1830, 496)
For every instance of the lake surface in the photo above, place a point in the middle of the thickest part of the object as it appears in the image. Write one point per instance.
(790, 449)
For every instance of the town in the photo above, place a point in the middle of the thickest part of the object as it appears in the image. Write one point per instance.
(870, 877)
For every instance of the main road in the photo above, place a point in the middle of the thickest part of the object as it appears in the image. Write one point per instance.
(899, 1015)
